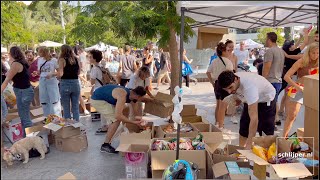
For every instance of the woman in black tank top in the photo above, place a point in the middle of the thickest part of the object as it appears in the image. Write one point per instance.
(19, 74)
(69, 70)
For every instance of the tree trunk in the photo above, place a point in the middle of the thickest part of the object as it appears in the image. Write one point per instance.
(175, 63)
(62, 22)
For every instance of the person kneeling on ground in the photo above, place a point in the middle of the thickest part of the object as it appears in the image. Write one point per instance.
(109, 101)
(259, 109)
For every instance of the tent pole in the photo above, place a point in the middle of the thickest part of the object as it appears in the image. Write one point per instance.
(274, 16)
(180, 73)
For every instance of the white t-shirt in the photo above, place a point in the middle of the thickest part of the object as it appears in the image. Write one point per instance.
(135, 81)
(96, 73)
(241, 55)
(83, 60)
(254, 88)
(217, 67)
(47, 68)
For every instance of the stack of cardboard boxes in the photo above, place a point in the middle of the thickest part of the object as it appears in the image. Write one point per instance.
(311, 115)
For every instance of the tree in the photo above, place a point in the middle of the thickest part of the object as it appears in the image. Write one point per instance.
(287, 31)
(262, 36)
(146, 20)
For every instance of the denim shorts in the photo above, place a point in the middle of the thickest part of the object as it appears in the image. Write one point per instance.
(298, 98)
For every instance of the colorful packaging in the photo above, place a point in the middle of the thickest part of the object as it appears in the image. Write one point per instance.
(272, 152)
(292, 91)
(260, 151)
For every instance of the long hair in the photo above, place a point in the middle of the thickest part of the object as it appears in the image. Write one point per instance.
(306, 55)
(67, 54)
(45, 53)
(17, 55)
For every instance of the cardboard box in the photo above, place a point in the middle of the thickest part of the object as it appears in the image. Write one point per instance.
(162, 106)
(311, 128)
(300, 133)
(311, 91)
(72, 144)
(276, 171)
(189, 110)
(14, 132)
(231, 170)
(40, 131)
(160, 160)
(66, 131)
(160, 133)
(191, 119)
(203, 127)
(67, 176)
(135, 132)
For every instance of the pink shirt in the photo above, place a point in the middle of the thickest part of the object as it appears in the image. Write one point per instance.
(34, 67)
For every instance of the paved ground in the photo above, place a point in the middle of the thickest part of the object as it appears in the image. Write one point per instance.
(91, 164)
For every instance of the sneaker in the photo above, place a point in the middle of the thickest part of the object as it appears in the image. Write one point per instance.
(234, 120)
(107, 148)
(86, 112)
(278, 123)
(100, 131)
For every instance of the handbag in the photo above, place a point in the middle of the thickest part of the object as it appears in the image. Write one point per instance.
(186, 69)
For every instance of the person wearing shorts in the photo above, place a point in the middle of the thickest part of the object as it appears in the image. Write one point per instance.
(109, 101)
(260, 106)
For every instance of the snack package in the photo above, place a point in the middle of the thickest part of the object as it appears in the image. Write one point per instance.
(260, 151)
(292, 91)
(313, 71)
(272, 153)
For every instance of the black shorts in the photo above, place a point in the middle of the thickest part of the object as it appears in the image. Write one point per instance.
(266, 118)
(219, 92)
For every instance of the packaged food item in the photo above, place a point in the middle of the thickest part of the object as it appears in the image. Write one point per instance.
(313, 71)
(260, 151)
(272, 153)
(221, 149)
(292, 91)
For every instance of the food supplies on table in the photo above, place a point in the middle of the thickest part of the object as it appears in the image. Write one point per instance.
(183, 128)
(185, 144)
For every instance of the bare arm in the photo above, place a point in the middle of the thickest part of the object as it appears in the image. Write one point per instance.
(61, 63)
(210, 78)
(294, 57)
(287, 77)
(306, 40)
(296, 45)
(120, 68)
(120, 95)
(266, 69)
(15, 67)
(186, 59)
(236, 63)
(253, 113)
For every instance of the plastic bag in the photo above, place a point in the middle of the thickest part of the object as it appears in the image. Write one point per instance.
(260, 151)
(9, 96)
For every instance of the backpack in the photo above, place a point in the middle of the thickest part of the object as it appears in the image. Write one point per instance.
(107, 77)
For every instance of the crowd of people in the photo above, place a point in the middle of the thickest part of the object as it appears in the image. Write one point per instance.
(54, 82)
(278, 69)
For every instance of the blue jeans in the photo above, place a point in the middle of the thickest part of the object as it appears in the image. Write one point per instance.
(277, 86)
(49, 96)
(70, 91)
(4, 109)
(24, 99)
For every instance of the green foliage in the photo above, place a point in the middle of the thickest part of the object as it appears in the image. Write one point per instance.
(262, 36)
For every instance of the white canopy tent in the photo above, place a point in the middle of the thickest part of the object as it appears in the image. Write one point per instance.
(250, 44)
(250, 14)
(101, 47)
(50, 44)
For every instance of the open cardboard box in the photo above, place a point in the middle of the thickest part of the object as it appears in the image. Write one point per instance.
(136, 143)
(160, 133)
(40, 131)
(311, 91)
(162, 106)
(311, 129)
(76, 143)
(65, 131)
(276, 171)
(160, 160)
(135, 131)
(241, 170)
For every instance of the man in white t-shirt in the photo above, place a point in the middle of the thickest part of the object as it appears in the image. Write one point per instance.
(259, 110)
(242, 54)
(95, 56)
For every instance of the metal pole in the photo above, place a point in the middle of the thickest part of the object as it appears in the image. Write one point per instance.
(180, 74)
(274, 16)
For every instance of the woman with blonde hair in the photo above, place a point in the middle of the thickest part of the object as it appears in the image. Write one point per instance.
(307, 65)
(48, 84)
(69, 70)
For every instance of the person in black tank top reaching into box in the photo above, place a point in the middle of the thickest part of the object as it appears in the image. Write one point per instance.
(69, 70)
(19, 74)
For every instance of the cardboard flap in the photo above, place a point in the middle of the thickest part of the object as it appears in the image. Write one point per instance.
(216, 158)
(234, 149)
(135, 138)
(251, 156)
(53, 127)
(189, 110)
(78, 124)
(283, 145)
(33, 129)
(37, 112)
(138, 148)
(219, 169)
(264, 141)
(164, 99)
(291, 170)
(33, 134)
(240, 176)
(67, 176)
(212, 137)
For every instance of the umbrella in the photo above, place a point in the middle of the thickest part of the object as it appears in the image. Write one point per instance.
(250, 44)
(50, 44)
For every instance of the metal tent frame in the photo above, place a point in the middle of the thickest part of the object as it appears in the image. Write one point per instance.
(255, 23)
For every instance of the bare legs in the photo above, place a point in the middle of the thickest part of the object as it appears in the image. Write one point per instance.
(292, 110)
